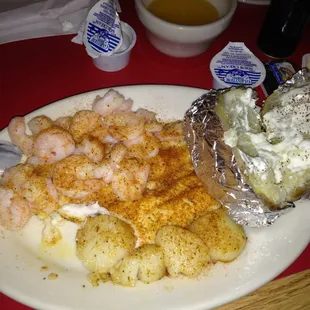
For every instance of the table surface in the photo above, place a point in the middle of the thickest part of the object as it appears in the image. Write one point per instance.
(36, 72)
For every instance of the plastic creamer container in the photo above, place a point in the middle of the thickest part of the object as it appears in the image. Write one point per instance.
(107, 40)
(306, 61)
(236, 65)
(121, 57)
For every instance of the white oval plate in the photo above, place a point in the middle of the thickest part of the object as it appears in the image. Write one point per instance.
(268, 252)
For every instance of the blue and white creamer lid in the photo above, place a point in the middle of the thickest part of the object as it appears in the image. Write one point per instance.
(236, 65)
(101, 34)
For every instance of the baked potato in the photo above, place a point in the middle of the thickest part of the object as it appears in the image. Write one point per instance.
(272, 148)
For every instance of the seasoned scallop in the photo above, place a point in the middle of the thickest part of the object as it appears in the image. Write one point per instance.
(145, 263)
(103, 241)
(184, 252)
(224, 238)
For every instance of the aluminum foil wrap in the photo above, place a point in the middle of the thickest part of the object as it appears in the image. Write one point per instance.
(215, 163)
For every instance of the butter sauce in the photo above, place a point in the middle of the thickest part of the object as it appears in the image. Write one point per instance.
(185, 12)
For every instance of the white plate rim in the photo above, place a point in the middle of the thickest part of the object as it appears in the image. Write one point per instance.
(256, 2)
(176, 90)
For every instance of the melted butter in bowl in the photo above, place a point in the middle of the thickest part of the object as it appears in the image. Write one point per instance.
(185, 12)
(184, 28)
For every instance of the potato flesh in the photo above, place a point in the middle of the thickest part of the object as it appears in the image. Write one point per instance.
(271, 148)
(103, 241)
(224, 238)
(184, 252)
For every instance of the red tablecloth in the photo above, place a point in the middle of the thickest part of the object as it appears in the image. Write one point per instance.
(36, 72)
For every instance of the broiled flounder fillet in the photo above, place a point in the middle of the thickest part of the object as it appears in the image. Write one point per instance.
(170, 164)
(178, 203)
(176, 196)
(224, 238)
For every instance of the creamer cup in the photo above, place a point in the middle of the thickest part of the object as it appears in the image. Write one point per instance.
(277, 72)
(101, 33)
(306, 61)
(107, 40)
(236, 65)
(120, 59)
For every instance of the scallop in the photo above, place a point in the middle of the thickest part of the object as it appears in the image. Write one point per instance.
(103, 242)
(224, 238)
(184, 252)
(145, 263)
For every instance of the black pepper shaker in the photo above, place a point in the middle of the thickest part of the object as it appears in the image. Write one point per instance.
(283, 27)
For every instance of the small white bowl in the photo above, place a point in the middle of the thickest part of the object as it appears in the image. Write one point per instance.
(184, 41)
(120, 59)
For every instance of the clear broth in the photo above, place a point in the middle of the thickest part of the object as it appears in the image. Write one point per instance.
(185, 12)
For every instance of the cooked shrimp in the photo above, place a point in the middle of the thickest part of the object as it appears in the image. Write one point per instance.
(129, 181)
(152, 125)
(80, 167)
(116, 155)
(14, 210)
(171, 131)
(109, 139)
(53, 144)
(101, 133)
(74, 177)
(45, 171)
(18, 136)
(148, 115)
(75, 167)
(109, 147)
(171, 135)
(15, 177)
(125, 126)
(125, 106)
(92, 148)
(39, 191)
(104, 171)
(39, 123)
(85, 123)
(122, 119)
(144, 146)
(107, 104)
(51, 188)
(35, 161)
(64, 122)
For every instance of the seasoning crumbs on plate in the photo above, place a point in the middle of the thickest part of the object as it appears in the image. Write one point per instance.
(52, 276)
